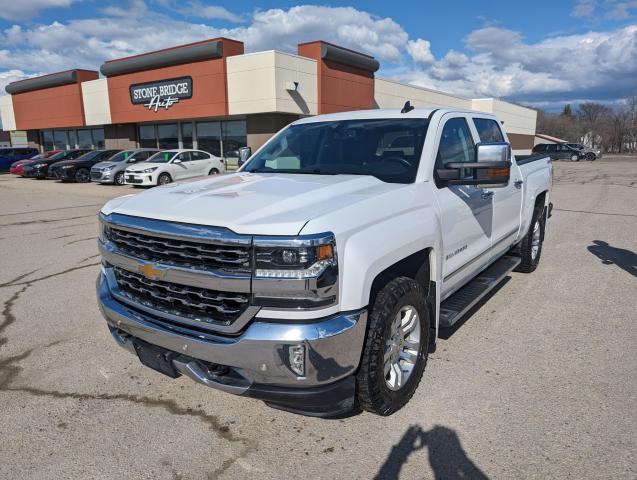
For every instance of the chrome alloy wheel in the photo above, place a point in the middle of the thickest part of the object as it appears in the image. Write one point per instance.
(402, 348)
(535, 241)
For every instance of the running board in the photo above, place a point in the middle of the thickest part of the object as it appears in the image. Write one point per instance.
(454, 307)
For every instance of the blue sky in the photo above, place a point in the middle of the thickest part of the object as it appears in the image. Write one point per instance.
(541, 53)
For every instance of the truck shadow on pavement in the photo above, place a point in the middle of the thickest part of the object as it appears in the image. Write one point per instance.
(624, 259)
(447, 458)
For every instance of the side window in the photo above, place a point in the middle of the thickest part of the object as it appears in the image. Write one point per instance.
(488, 130)
(199, 156)
(456, 144)
(184, 157)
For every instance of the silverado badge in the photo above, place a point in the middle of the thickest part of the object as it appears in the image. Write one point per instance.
(150, 271)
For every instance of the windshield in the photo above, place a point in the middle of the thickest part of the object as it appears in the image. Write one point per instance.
(121, 156)
(388, 149)
(162, 157)
(57, 156)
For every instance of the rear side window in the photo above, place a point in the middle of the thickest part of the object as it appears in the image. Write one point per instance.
(488, 130)
(199, 156)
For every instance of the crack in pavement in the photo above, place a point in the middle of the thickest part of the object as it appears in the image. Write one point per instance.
(49, 210)
(595, 213)
(43, 220)
(80, 240)
(10, 371)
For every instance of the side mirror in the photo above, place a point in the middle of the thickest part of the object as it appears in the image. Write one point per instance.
(244, 154)
(176, 161)
(492, 167)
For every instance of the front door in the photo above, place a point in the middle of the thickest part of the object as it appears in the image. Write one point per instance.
(466, 215)
(184, 169)
(507, 200)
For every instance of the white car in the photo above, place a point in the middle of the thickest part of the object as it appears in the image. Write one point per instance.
(170, 165)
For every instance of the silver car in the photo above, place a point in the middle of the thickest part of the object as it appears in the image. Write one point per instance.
(112, 170)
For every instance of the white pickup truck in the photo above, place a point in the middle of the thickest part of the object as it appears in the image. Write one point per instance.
(318, 276)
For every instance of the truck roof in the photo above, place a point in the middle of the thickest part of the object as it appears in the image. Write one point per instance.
(383, 113)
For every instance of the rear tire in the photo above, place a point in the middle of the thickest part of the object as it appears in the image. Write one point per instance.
(119, 178)
(164, 179)
(392, 365)
(82, 175)
(531, 244)
(590, 156)
(213, 171)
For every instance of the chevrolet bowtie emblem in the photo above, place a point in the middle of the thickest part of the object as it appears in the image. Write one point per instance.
(150, 271)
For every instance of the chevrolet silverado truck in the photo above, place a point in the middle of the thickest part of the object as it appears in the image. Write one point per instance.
(317, 277)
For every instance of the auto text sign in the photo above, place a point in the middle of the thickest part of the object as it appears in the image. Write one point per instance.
(161, 94)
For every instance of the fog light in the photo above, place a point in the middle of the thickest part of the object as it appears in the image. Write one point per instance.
(297, 359)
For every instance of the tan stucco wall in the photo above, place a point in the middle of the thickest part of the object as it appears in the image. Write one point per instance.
(96, 107)
(6, 113)
(257, 83)
(390, 94)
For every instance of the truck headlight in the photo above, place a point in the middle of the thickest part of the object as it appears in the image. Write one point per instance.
(295, 272)
(293, 262)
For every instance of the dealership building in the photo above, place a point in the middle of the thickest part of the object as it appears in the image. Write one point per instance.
(212, 96)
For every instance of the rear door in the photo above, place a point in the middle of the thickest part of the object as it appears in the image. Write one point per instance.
(466, 216)
(202, 161)
(507, 200)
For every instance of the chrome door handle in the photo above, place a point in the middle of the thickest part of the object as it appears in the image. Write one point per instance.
(518, 184)
(486, 194)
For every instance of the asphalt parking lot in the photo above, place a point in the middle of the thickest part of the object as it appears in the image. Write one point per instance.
(539, 382)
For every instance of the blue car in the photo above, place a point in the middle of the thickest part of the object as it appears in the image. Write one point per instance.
(10, 155)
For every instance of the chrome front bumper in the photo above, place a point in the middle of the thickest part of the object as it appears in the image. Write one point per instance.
(257, 356)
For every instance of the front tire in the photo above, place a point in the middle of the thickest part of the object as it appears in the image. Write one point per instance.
(574, 158)
(119, 178)
(531, 244)
(82, 175)
(396, 347)
(163, 179)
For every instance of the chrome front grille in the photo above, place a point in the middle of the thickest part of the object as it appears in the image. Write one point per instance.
(179, 252)
(196, 304)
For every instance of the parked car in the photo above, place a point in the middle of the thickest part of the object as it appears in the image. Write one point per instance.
(40, 168)
(112, 170)
(16, 167)
(8, 156)
(587, 153)
(170, 165)
(79, 169)
(558, 151)
(317, 277)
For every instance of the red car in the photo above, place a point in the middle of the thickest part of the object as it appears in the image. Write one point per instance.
(16, 167)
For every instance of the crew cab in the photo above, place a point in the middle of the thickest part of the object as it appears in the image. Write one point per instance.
(318, 276)
(170, 165)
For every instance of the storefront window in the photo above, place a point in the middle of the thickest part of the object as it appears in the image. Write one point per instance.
(59, 139)
(209, 137)
(72, 139)
(147, 137)
(84, 139)
(47, 140)
(167, 135)
(98, 138)
(234, 137)
(186, 135)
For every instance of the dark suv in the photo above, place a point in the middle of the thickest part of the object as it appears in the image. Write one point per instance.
(558, 151)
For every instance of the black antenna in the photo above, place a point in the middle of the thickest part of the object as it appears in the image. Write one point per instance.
(407, 108)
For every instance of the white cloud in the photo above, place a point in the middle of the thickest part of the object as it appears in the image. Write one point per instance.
(420, 51)
(26, 9)
(210, 12)
(620, 10)
(584, 8)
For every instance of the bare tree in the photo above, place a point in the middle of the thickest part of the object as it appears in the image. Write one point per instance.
(591, 116)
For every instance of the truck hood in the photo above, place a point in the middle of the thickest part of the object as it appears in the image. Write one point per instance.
(259, 204)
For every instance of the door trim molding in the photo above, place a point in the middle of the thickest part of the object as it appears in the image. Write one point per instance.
(480, 255)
